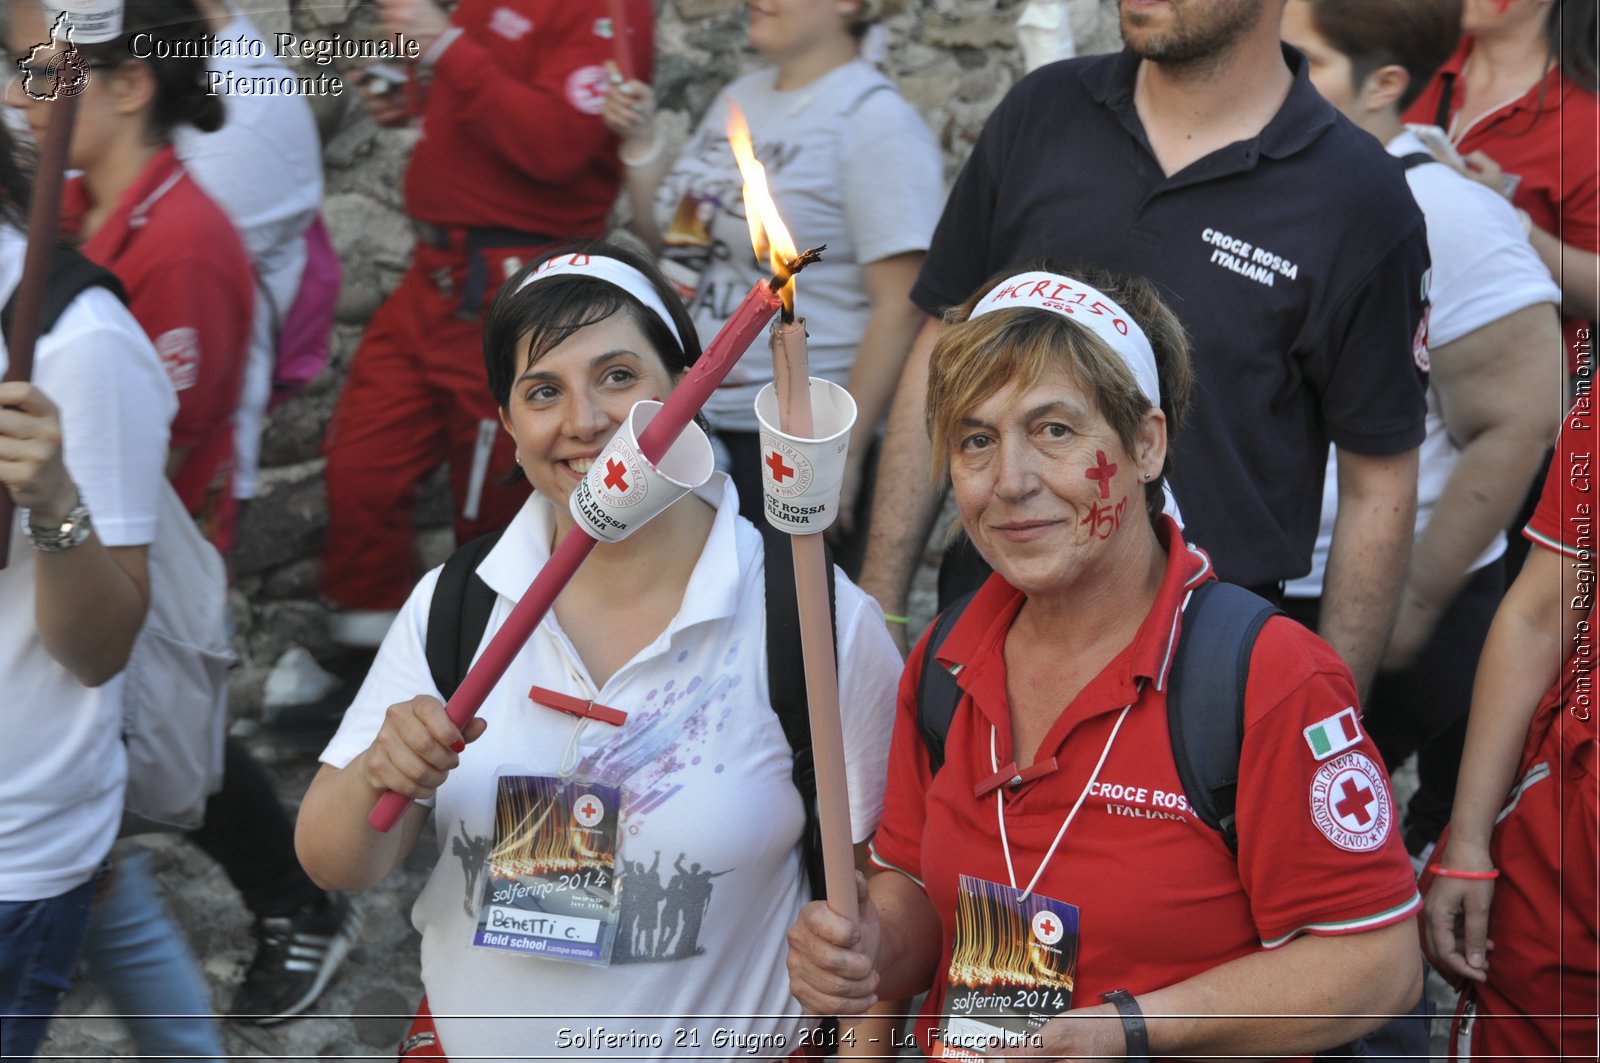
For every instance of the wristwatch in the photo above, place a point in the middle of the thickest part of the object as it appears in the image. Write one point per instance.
(72, 530)
(1134, 1031)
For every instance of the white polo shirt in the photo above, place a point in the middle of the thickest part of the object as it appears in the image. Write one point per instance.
(705, 758)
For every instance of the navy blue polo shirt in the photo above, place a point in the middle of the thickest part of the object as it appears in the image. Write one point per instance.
(1296, 260)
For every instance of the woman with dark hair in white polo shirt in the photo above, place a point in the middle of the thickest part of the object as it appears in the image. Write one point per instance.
(649, 679)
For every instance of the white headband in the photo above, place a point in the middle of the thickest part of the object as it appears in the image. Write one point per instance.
(612, 272)
(1089, 307)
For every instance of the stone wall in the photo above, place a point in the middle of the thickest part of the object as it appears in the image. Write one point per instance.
(953, 59)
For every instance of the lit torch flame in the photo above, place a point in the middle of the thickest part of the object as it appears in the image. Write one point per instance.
(768, 236)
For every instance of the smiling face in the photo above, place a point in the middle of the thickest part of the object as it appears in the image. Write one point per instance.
(1046, 490)
(565, 406)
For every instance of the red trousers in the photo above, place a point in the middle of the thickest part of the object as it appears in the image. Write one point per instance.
(1543, 992)
(416, 396)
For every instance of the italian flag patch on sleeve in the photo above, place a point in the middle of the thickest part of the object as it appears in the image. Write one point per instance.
(1334, 735)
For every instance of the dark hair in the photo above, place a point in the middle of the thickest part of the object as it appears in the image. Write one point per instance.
(1418, 35)
(1571, 30)
(174, 28)
(554, 309)
(15, 187)
(1014, 348)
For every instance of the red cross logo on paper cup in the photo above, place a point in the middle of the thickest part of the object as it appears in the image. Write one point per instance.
(622, 489)
(1350, 803)
(801, 477)
(588, 810)
(1047, 927)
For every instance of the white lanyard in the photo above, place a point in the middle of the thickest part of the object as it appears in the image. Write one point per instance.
(1000, 805)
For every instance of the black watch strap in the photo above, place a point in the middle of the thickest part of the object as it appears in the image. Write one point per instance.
(1135, 1032)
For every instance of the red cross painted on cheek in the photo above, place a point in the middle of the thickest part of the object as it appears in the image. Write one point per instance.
(780, 471)
(1102, 473)
(1354, 802)
(614, 471)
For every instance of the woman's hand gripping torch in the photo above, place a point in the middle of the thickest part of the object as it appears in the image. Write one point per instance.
(71, 22)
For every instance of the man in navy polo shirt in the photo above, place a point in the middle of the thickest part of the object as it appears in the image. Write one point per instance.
(1287, 242)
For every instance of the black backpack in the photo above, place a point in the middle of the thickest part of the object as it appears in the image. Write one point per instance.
(70, 275)
(1205, 695)
(460, 609)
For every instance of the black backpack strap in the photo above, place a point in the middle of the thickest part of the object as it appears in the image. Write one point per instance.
(458, 614)
(937, 692)
(1205, 698)
(70, 275)
(1447, 93)
(1415, 159)
(786, 682)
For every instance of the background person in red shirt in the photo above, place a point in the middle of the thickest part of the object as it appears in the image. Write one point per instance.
(136, 211)
(513, 157)
(1525, 946)
(1518, 100)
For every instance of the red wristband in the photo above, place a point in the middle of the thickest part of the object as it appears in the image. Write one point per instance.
(1476, 876)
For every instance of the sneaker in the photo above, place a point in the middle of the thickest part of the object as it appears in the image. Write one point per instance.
(296, 957)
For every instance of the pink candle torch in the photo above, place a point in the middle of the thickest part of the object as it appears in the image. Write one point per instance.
(792, 379)
(751, 316)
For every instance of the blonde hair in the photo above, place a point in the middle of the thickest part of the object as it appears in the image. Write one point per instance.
(1013, 349)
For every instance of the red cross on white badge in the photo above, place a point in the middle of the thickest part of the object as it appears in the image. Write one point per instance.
(780, 471)
(588, 811)
(614, 471)
(1047, 928)
(1354, 800)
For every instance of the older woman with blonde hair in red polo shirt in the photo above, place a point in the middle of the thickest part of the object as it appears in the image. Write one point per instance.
(1053, 869)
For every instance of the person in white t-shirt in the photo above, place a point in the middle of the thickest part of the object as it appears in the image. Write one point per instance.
(850, 165)
(82, 452)
(668, 627)
(264, 169)
(1494, 396)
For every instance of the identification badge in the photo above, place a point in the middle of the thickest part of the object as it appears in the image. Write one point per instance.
(550, 883)
(1012, 969)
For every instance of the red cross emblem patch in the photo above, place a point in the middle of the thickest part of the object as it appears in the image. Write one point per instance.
(1350, 802)
(1047, 927)
(588, 810)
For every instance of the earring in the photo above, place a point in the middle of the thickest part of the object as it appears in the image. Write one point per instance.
(517, 458)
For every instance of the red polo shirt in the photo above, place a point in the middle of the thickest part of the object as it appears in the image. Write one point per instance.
(511, 131)
(1547, 137)
(190, 288)
(1160, 898)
